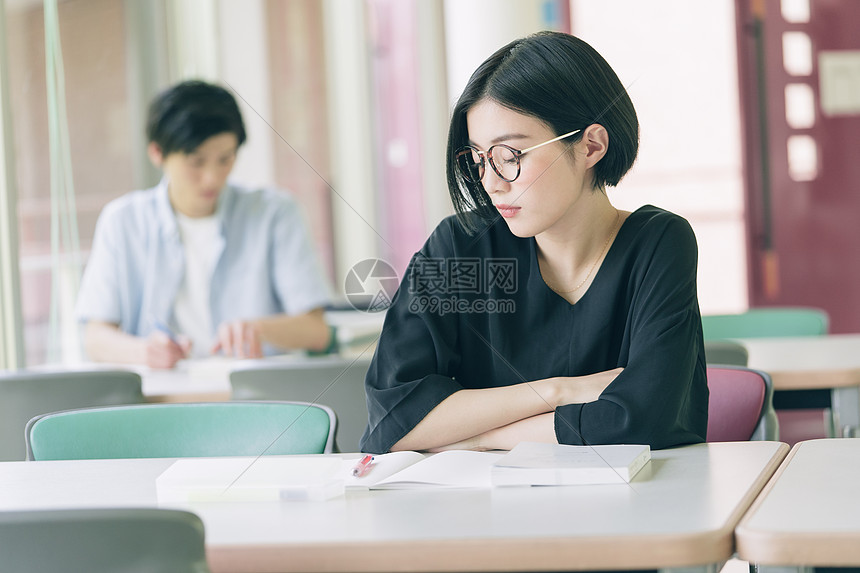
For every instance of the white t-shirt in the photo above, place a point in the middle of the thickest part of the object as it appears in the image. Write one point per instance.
(192, 311)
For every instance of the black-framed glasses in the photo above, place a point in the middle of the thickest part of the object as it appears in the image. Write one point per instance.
(504, 159)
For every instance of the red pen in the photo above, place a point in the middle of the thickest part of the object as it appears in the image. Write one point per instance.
(363, 466)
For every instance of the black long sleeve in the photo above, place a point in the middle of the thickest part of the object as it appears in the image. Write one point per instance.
(474, 312)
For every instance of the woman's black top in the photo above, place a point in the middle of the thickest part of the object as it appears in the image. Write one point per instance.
(474, 312)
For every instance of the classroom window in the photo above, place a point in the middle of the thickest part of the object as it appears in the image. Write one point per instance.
(98, 128)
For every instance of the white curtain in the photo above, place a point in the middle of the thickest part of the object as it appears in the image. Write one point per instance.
(64, 334)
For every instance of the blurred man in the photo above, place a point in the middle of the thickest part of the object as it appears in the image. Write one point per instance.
(195, 265)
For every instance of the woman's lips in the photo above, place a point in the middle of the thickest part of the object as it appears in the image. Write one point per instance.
(508, 211)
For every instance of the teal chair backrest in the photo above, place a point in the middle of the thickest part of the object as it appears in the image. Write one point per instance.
(25, 394)
(119, 540)
(182, 430)
(764, 322)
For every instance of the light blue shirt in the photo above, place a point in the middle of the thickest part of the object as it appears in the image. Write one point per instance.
(265, 264)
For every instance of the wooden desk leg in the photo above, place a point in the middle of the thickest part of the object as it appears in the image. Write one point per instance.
(846, 410)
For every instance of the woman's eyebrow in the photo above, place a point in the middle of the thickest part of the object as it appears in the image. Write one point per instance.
(503, 137)
(509, 136)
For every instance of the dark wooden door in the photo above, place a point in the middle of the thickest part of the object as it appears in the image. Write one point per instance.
(799, 66)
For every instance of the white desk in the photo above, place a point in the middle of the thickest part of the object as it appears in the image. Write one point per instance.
(203, 380)
(208, 379)
(815, 362)
(809, 515)
(680, 511)
(174, 385)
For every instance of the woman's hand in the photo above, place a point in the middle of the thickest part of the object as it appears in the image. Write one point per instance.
(468, 419)
(473, 443)
(535, 429)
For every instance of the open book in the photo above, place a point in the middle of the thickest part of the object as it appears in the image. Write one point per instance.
(411, 470)
(316, 478)
(533, 463)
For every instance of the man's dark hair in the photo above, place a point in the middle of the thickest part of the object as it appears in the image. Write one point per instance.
(187, 114)
(561, 81)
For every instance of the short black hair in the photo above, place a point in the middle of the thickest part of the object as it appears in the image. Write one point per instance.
(561, 81)
(187, 114)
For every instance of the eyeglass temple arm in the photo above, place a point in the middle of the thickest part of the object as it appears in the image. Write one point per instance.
(553, 140)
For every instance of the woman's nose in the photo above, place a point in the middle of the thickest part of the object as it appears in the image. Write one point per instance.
(492, 182)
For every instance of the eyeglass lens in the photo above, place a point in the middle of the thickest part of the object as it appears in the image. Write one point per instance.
(470, 164)
(504, 161)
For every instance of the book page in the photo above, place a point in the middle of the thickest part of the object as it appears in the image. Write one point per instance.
(383, 466)
(455, 468)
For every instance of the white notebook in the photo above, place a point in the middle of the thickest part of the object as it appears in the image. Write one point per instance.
(267, 478)
(533, 463)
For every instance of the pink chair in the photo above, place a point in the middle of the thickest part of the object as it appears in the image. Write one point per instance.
(741, 405)
(805, 424)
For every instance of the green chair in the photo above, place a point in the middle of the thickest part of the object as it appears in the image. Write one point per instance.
(119, 540)
(762, 322)
(337, 382)
(726, 352)
(25, 394)
(182, 431)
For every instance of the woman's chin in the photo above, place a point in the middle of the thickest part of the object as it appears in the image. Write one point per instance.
(519, 229)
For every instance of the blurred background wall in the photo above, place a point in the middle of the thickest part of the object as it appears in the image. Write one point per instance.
(346, 104)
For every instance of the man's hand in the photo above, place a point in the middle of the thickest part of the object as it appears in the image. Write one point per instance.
(162, 352)
(239, 338)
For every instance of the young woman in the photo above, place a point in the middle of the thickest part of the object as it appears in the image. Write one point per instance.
(541, 312)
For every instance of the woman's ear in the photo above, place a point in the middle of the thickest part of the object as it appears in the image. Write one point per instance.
(153, 150)
(596, 140)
